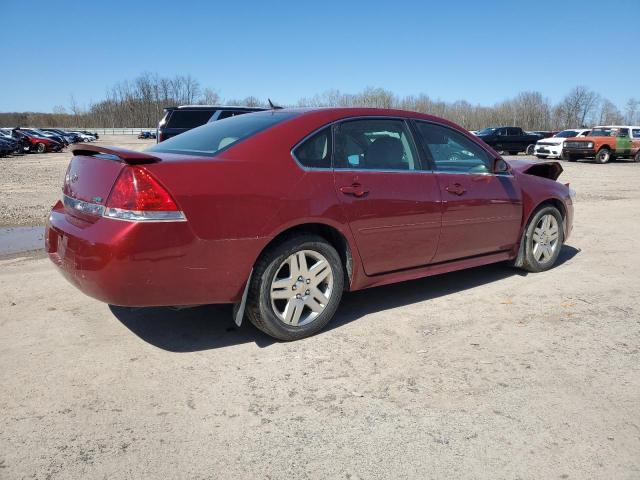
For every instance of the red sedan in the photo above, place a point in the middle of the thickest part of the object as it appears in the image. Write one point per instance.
(281, 211)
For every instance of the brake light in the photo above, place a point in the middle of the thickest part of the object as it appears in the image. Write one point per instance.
(136, 195)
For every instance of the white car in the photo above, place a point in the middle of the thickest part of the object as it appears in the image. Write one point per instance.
(84, 137)
(552, 147)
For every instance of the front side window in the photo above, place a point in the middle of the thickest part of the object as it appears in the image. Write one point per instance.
(315, 152)
(451, 151)
(376, 144)
(624, 132)
(601, 132)
(211, 138)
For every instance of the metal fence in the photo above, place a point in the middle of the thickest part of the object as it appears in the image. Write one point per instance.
(111, 131)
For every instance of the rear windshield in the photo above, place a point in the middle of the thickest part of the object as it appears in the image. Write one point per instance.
(567, 134)
(189, 118)
(214, 137)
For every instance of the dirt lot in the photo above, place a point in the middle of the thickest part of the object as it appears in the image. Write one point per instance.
(485, 373)
(31, 183)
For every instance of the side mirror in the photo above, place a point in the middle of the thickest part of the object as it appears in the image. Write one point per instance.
(500, 166)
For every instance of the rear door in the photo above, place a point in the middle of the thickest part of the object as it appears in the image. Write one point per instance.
(482, 211)
(623, 142)
(516, 139)
(392, 204)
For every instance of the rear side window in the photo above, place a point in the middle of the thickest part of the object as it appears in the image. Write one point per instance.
(451, 151)
(315, 152)
(636, 133)
(212, 138)
(377, 144)
(189, 118)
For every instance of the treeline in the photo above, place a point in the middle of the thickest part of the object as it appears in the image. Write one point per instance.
(140, 103)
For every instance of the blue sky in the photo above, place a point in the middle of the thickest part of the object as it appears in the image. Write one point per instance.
(481, 51)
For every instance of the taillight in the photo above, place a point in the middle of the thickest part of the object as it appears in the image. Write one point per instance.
(137, 196)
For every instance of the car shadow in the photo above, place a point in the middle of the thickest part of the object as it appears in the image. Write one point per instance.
(212, 326)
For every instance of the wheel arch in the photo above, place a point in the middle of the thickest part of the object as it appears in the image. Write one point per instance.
(551, 201)
(329, 233)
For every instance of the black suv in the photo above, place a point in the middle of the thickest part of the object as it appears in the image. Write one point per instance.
(180, 119)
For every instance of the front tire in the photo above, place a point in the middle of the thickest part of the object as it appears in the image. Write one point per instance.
(636, 158)
(295, 288)
(543, 241)
(530, 149)
(41, 148)
(603, 155)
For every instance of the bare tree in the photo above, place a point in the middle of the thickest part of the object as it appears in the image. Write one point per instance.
(609, 114)
(632, 112)
(140, 103)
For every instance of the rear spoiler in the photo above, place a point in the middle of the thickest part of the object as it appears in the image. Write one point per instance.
(128, 156)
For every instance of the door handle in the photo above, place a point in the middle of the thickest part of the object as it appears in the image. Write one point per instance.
(354, 189)
(455, 189)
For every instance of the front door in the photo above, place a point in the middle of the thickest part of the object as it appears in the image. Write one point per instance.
(482, 211)
(393, 207)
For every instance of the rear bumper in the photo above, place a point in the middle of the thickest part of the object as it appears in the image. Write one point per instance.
(579, 152)
(140, 264)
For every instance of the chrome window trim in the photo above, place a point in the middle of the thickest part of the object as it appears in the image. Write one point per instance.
(347, 119)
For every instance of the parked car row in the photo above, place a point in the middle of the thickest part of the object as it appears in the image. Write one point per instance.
(40, 140)
(602, 143)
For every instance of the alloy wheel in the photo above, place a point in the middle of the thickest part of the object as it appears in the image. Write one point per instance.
(301, 288)
(545, 238)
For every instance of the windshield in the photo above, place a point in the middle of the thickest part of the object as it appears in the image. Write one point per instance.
(212, 138)
(601, 132)
(486, 131)
(567, 134)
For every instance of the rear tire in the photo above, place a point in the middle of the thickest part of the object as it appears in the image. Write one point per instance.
(603, 155)
(295, 288)
(543, 241)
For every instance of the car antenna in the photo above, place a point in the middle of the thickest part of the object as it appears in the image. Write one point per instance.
(274, 107)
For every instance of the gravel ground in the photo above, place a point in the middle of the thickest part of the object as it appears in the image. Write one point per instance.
(30, 184)
(485, 373)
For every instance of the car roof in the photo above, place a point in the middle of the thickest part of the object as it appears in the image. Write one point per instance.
(214, 107)
(616, 126)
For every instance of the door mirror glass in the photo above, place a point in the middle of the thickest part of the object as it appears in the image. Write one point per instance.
(500, 166)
